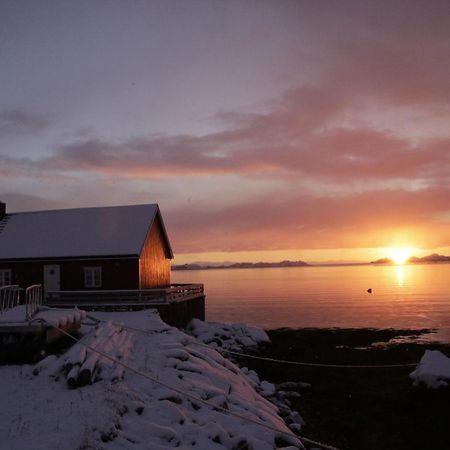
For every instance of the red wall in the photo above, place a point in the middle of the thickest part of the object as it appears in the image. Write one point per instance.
(116, 273)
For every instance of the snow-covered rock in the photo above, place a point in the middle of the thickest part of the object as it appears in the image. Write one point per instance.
(38, 410)
(237, 337)
(234, 336)
(433, 370)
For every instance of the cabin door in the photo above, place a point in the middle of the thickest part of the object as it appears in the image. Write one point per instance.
(51, 278)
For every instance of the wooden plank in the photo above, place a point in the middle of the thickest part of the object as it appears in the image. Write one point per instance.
(127, 297)
(154, 260)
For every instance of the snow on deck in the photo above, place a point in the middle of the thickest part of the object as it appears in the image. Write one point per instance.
(58, 317)
(104, 231)
(40, 411)
(14, 315)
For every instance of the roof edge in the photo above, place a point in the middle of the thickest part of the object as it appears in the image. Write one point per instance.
(67, 258)
(164, 232)
(39, 211)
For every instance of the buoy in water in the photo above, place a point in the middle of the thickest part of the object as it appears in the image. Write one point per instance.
(369, 290)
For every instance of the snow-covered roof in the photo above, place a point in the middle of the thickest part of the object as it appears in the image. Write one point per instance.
(81, 232)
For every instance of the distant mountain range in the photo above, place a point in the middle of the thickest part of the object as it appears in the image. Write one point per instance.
(430, 259)
(243, 265)
(433, 258)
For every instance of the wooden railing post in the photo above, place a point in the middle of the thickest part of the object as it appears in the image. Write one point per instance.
(127, 297)
(9, 297)
(33, 300)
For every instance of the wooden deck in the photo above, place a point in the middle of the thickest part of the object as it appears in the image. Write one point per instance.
(176, 304)
(130, 299)
(22, 331)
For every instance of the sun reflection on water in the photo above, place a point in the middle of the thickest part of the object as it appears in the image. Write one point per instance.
(400, 275)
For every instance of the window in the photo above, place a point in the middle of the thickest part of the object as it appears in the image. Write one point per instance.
(5, 277)
(92, 277)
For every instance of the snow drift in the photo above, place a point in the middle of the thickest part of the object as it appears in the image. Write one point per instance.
(433, 370)
(40, 411)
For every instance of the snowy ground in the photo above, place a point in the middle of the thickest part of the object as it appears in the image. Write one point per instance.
(433, 370)
(234, 336)
(40, 411)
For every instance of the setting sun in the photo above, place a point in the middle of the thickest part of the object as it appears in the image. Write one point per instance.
(400, 254)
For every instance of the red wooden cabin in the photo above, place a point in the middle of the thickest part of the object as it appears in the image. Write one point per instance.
(106, 248)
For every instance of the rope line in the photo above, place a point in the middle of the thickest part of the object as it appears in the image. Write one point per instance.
(188, 395)
(280, 361)
(306, 364)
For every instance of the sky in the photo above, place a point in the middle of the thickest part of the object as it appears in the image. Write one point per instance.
(265, 130)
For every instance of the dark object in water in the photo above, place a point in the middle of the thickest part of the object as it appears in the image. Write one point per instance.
(369, 290)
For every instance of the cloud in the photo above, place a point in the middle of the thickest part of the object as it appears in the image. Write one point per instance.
(266, 144)
(17, 122)
(384, 60)
(15, 168)
(291, 139)
(27, 202)
(294, 220)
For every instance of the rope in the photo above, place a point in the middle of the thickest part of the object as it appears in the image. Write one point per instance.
(190, 396)
(280, 361)
(306, 364)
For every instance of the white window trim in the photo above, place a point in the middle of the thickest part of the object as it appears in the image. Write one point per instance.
(5, 277)
(93, 277)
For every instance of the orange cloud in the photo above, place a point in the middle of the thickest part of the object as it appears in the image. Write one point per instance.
(371, 219)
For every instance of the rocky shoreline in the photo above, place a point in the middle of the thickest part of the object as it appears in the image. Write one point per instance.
(355, 409)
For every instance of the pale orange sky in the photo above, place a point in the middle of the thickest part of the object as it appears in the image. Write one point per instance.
(265, 130)
(308, 255)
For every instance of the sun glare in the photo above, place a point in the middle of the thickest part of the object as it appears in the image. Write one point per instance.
(400, 254)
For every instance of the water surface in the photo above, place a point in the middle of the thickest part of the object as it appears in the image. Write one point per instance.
(410, 296)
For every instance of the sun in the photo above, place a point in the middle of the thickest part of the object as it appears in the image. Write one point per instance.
(400, 254)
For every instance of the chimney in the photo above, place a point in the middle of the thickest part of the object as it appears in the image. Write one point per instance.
(2, 209)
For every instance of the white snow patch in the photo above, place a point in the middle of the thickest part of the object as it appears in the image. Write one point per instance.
(237, 337)
(433, 370)
(234, 336)
(41, 411)
(59, 317)
(14, 315)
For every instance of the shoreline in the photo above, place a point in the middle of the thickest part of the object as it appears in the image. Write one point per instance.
(355, 409)
(195, 267)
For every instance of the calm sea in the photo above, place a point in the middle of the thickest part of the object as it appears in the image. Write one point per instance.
(415, 296)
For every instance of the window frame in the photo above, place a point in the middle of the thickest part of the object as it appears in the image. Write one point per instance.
(5, 277)
(93, 277)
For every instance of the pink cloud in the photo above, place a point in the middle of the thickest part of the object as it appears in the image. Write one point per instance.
(300, 221)
(282, 141)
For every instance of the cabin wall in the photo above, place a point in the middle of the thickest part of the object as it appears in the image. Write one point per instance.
(116, 273)
(154, 262)
(24, 274)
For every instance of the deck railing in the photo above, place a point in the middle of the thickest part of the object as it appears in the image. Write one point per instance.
(9, 297)
(33, 300)
(159, 296)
